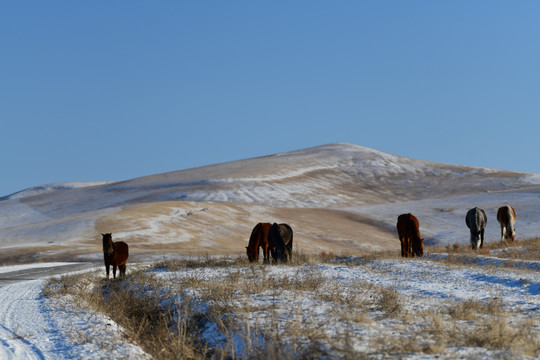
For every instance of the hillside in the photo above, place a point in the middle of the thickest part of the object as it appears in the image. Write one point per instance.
(337, 197)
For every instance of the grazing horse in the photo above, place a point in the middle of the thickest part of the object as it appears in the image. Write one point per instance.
(476, 221)
(280, 241)
(409, 235)
(506, 216)
(115, 254)
(258, 238)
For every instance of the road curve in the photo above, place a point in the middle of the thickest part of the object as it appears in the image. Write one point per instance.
(38, 271)
(27, 329)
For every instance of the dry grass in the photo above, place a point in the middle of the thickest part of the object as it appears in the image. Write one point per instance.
(526, 249)
(163, 324)
(260, 314)
(471, 309)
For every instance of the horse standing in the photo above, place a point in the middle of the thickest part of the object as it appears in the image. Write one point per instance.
(258, 239)
(115, 254)
(506, 216)
(280, 241)
(476, 221)
(409, 235)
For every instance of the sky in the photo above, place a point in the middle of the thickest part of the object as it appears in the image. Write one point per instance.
(113, 90)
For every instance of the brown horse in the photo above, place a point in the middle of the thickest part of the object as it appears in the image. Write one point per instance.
(280, 241)
(506, 216)
(258, 238)
(115, 254)
(409, 235)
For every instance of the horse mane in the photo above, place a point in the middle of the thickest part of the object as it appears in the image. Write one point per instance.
(254, 239)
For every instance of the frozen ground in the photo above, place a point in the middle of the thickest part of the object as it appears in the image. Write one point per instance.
(341, 312)
(33, 327)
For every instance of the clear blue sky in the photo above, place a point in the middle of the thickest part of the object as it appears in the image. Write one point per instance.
(112, 90)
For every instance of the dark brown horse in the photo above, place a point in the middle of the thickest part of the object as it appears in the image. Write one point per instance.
(409, 235)
(280, 241)
(115, 254)
(258, 238)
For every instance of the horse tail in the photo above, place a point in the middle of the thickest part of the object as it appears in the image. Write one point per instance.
(287, 233)
(511, 220)
(290, 247)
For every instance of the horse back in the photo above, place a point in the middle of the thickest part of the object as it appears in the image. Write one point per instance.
(286, 233)
(259, 235)
(506, 214)
(274, 236)
(408, 226)
(476, 219)
(121, 252)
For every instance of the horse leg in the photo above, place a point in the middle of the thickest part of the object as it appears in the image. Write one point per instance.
(107, 270)
(266, 254)
(503, 233)
(123, 270)
(114, 271)
(289, 250)
(482, 239)
(409, 247)
(402, 241)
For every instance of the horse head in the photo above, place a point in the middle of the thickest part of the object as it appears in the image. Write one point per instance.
(252, 253)
(418, 247)
(107, 244)
(513, 233)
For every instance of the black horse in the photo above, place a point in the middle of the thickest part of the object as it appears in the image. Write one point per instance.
(280, 242)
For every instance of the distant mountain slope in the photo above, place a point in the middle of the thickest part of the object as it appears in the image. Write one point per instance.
(44, 189)
(333, 176)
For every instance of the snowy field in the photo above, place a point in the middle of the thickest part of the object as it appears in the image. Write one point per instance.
(472, 306)
(333, 309)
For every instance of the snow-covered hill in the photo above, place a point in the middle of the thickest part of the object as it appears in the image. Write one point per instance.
(360, 186)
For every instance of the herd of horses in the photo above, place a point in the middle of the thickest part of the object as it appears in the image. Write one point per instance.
(276, 240)
(412, 243)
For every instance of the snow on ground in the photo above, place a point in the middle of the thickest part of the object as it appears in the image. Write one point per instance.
(33, 327)
(425, 286)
